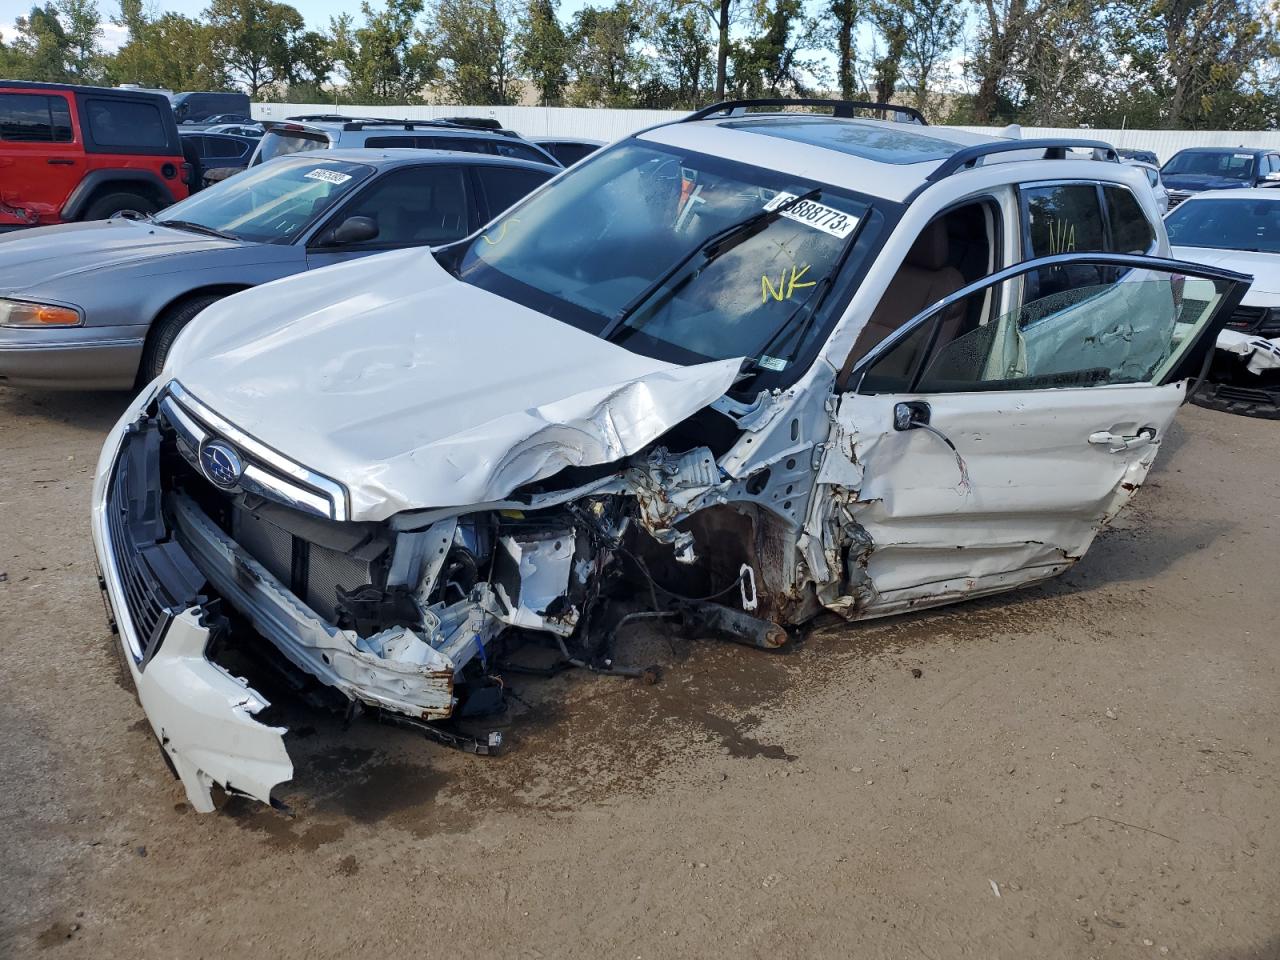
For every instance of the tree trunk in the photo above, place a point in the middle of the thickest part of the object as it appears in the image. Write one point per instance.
(984, 101)
(845, 44)
(722, 53)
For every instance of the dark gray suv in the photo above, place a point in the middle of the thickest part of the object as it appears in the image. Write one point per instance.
(302, 134)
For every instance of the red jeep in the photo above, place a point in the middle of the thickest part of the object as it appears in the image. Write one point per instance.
(84, 153)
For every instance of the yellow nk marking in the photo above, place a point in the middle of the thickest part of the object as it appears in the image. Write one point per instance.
(785, 288)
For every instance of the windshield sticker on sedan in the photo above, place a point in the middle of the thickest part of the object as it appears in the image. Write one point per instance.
(328, 176)
(817, 215)
(786, 288)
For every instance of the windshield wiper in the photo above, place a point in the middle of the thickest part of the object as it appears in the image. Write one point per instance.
(753, 364)
(720, 242)
(197, 228)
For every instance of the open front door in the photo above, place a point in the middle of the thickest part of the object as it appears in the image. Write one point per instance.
(986, 443)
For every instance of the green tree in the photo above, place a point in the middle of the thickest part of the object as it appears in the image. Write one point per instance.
(607, 68)
(477, 41)
(41, 48)
(681, 60)
(841, 18)
(82, 24)
(171, 51)
(388, 60)
(256, 39)
(932, 32)
(543, 51)
(890, 22)
(770, 63)
(1209, 62)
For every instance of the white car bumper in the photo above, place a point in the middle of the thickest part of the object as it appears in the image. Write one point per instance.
(201, 714)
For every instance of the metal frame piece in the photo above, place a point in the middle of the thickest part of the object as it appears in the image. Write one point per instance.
(1054, 149)
(840, 108)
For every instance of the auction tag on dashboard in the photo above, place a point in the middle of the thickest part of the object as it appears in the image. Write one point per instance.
(328, 176)
(816, 215)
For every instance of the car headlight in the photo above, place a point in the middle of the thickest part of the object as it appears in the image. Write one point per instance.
(21, 313)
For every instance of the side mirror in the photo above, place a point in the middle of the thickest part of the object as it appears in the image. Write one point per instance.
(354, 230)
(1272, 178)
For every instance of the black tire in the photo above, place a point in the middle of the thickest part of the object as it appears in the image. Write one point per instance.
(164, 331)
(109, 204)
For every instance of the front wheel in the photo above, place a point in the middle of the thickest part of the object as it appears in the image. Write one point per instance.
(110, 204)
(164, 332)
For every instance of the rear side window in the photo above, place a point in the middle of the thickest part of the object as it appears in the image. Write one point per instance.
(280, 143)
(463, 144)
(1130, 230)
(125, 123)
(32, 118)
(218, 147)
(521, 151)
(504, 186)
(1063, 218)
(570, 153)
(1069, 218)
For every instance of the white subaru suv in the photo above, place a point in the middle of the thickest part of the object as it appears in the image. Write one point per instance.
(730, 371)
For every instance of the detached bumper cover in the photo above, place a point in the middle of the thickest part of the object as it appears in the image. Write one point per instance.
(204, 719)
(203, 716)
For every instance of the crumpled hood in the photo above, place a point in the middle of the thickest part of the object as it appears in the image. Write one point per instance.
(1265, 268)
(1195, 182)
(416, 390)
(42, 254)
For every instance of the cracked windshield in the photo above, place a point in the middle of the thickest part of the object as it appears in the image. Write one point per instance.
(674, 254)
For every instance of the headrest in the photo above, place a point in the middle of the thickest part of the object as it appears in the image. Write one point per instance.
(932, 249)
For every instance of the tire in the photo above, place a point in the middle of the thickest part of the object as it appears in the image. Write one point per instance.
(110, 204)
(164, 332)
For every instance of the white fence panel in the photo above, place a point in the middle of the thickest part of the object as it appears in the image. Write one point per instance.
(609, 125)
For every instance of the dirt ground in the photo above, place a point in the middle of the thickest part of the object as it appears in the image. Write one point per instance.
(1084, 769)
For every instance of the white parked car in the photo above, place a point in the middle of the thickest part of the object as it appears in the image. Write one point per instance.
(1239, 230)
(741, 367)
(1152, 173)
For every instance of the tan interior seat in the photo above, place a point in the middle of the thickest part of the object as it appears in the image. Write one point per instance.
(925, 277)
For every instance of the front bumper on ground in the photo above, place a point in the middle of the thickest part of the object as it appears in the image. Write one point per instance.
(203, 716)
(80, 358)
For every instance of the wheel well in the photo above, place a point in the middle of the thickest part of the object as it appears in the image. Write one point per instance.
(218, 290)
(143, 188)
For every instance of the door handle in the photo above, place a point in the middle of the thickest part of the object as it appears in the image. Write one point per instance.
(1116, 442)
(60, 162)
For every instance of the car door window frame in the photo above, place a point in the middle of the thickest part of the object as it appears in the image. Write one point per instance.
(53, 128)
(482, 203)
(338, 216)
(1191, 364)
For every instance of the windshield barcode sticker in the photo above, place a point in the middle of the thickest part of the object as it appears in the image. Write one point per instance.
(816, 215)
(328, 176)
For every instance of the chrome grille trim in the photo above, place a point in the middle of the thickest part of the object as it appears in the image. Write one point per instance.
(275, 475)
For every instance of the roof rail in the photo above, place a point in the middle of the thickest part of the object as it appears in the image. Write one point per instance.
(840, 108)
(1054, 149)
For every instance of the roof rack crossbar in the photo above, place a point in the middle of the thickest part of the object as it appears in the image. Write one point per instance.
(1054, 149)
(840, 108)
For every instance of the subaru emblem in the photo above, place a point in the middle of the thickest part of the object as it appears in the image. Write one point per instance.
(221, 464)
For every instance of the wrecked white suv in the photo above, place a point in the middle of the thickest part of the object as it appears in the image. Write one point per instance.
(732, 370)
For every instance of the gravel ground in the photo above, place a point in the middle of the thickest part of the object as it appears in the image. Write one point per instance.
(1083, 769)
